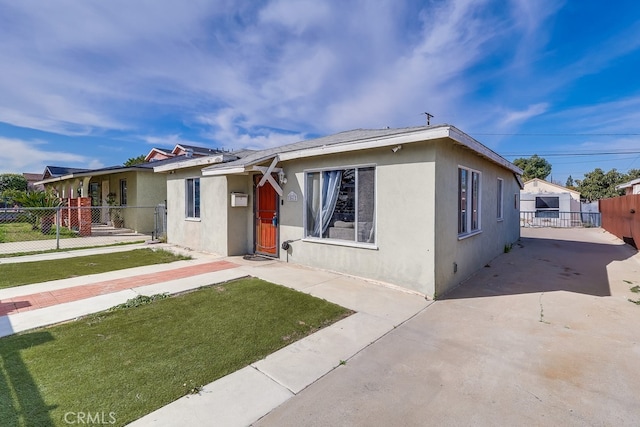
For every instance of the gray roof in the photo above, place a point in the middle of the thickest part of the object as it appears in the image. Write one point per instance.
(628, 184)
(55, 171)
(200, 150)
(350, 136)
(66, 173)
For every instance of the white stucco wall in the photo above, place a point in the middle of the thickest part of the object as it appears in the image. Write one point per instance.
(416, 216)
(470, 253)
(221, 229)
(403, 253)
(541, 186)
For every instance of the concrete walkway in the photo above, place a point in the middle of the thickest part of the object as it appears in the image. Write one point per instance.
(246, 395)
(543, 336)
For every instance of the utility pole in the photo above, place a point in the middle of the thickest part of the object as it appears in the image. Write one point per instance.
(429, 116)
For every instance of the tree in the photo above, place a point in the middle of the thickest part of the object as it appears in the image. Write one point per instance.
(135, 160)
(598, 185)
(570, 184)
(533, 167)
(12, 181)
(632, 174)
(42, 204)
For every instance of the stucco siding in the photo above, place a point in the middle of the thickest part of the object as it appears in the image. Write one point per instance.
(458, 257)
(403, 252)
(541, 186)
(221, 229)
(239, 219)
(146, 191)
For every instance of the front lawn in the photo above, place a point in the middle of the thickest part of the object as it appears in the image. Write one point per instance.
(24, 273)
(23, 232)
(126, 363)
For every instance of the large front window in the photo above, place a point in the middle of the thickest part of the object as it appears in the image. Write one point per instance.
(468, 201)
(340, 204)
(193, 198)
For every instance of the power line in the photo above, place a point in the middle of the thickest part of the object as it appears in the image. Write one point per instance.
(562, 154)
(555, 134)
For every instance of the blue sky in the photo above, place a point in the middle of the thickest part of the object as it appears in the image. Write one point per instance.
(92, 83)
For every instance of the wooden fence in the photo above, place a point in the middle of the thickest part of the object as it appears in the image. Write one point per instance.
(621, 217)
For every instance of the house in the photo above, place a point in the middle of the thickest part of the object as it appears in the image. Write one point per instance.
(180, 150)
(135, 186)
(631, 187)
(32, 178)
(422, 208)
(543, 203)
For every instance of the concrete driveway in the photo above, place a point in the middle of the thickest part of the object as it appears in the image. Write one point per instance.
(544, 335)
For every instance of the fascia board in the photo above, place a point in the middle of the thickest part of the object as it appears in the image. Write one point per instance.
(89, 174)
(435, 133)
(225, 171)
(200, 161)
(467, 141)
(56, 179)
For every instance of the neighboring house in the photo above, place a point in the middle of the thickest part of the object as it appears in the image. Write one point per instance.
(158, 154)
(135, 186)
(422, 208)
(543, 203)
(631, 187)
(180, 150)
(32, 179)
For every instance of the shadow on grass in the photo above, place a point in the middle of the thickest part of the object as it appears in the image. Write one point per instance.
(544, 265)
(20, 400)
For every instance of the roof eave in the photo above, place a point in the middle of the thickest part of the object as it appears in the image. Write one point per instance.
(192, 162)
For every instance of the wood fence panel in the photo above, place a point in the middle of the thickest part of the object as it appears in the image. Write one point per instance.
(621, 217)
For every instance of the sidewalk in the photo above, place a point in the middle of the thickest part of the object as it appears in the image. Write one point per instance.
(248, 394)
(542, 336)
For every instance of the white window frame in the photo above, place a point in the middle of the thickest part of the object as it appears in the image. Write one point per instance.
(468, 229)
(190, 203)
(500, 198)
(337, 242)
(542, 212)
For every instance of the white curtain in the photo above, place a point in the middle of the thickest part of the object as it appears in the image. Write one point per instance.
(330, 188)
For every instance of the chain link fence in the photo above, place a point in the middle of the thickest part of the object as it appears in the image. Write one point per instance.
(28, 230)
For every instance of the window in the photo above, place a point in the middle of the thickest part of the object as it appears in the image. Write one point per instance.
(468, 201)
(499, 199)
(123, 192)
(193, 198)
(547, 207)
(340, 204)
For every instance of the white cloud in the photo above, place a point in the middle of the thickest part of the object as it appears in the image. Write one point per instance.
(516, 117)
(249, 74)
(32, 156)
(296, 15)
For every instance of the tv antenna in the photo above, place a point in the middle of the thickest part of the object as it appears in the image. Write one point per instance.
(429, 116)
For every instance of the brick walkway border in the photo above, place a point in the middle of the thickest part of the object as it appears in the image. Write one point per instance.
(59, 296)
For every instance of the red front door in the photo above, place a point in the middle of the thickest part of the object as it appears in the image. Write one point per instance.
(266, 218)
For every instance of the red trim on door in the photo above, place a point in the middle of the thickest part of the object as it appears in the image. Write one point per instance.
(266, 219)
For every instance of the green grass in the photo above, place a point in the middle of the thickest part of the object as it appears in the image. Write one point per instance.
(23, 232)
(17, 254)
(24, 273)
(126, 363)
